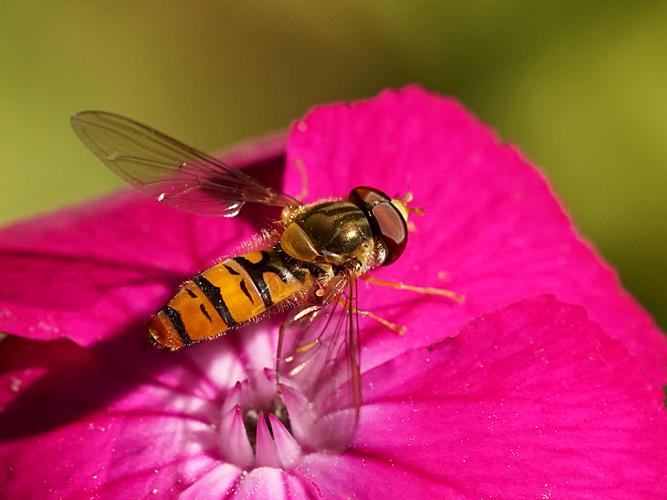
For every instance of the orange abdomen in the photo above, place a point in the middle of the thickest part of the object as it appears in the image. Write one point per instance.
(224, 296)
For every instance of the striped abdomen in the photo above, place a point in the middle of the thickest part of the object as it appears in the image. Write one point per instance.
(228, 294)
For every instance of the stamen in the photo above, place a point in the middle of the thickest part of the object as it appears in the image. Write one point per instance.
(233, 399)
(255, 428)
(265, 426)
(287, 449)
(236, 446)
(265, 450)
(302, 418)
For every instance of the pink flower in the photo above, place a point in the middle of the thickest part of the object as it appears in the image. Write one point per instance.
(514, 394)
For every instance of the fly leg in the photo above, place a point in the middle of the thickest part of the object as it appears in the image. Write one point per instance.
(399, 329)
(442, 292)
(302, 317)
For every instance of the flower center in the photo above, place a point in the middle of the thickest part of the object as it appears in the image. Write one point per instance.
(251, 418)
(261, 426)
(255, 429)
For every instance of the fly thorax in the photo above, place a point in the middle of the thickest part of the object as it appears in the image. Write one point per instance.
(331, 232)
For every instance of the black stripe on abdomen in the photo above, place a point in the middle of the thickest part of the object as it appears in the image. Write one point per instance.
(256, 272)
(244, 289)
(203, 310)
(177, 322)
(214, 296)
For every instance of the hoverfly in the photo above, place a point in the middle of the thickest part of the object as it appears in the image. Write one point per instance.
(310, 262)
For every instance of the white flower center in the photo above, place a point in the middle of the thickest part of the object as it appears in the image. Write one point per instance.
(255, 429)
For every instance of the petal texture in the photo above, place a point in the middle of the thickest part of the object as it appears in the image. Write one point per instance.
(532, 401)
(73, 424)
(493, 229)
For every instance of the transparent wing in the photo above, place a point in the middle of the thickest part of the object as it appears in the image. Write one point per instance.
(168, 170)
(318, 366)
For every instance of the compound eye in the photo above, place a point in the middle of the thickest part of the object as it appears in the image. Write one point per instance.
(386, 220)
(392, 228)
(365, 197)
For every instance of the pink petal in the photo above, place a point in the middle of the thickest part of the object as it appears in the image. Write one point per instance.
(266, 482)
(218, 483)
(492, 226)
(532, 401)
(72, 424)
(227, 481)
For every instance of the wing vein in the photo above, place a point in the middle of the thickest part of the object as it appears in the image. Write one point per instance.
(170, 170)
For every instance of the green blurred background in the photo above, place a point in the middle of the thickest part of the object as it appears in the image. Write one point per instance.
(580, 86)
